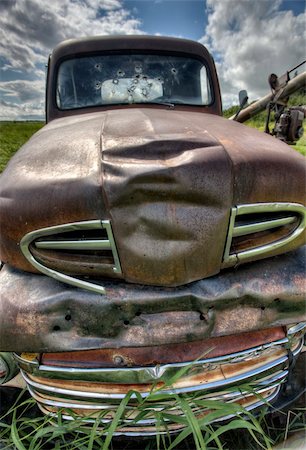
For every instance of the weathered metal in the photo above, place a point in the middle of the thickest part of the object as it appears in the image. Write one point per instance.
(8, 367)
(162, 354)
(260, 105)
(39, 314)
(168, 188)
(92, 391)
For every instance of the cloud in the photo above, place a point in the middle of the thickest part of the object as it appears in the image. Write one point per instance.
(16, 111)
(250, 40)
(22, 99)
(22, 90)
(30, 29)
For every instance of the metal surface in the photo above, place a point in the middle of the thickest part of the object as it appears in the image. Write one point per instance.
(161, 354)
(135, 375)
(40, 314)
(293, 85)
(167, 182)
(85, 244)
(296, 212)
(263, 369)
(141, 431)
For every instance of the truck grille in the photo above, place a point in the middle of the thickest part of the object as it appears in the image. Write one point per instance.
(79, 248)
(262, 230)
(96, 392)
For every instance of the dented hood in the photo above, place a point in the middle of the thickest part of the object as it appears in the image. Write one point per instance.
(166, 179)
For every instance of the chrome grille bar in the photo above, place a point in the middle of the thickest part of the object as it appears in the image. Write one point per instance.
(225, 382)
(92, 244)
(37, 238)
(293, 212)
(151, 373)
(242, 230)
(263, 369)
(140, 431)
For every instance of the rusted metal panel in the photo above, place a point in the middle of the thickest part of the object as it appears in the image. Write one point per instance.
(143, 356)
(40, 314)
(168, 193)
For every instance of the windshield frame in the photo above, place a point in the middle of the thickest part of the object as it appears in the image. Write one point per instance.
(129, 44)
(169, 102)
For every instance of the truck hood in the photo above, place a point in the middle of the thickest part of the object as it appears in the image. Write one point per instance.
(165, 179)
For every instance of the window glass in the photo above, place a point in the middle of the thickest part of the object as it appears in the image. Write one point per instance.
(126, 79)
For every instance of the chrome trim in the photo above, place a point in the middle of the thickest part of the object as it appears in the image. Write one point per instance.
(261, 226)
(265, 379)
(88, 244)
(145, 432)
(147, 374)
(236, 396)
(208, 386)
(295, 329)
(88, 403)
(92, 244)
(267, 249)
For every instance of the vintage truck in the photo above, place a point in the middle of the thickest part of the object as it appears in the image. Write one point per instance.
(143, 236)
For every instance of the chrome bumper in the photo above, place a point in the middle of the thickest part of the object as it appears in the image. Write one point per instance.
(249, 378)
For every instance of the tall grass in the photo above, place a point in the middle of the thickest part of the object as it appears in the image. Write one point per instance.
(21, 429)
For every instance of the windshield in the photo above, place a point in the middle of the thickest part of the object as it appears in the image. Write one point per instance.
(126, 79)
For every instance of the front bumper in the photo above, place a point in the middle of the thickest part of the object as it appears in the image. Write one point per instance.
(243, 381)
(39, 314)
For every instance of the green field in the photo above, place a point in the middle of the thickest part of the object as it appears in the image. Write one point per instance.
(12, 136)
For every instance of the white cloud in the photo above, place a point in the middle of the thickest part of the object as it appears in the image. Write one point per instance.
(250, 40)
(30, 29)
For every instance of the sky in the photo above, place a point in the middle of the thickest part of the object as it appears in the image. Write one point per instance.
(249, 39)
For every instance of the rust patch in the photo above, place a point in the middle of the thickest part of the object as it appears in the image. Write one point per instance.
(143, 356)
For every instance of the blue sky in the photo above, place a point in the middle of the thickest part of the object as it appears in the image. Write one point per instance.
(175, 18)
(249, 39)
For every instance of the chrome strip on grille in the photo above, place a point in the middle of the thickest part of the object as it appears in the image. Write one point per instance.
(154, 430)
(242, 230)
(293, 210)
(227, 382)
(263, 369)
(148, 374)
(86, 244)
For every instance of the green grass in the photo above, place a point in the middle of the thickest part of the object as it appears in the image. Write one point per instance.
(21, 429)
(12, 136)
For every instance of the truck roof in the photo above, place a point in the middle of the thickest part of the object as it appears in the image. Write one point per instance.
(129, 42)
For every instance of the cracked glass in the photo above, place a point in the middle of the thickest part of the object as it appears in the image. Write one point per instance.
(127, 79)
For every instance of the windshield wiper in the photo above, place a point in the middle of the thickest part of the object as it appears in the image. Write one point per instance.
(170, 105)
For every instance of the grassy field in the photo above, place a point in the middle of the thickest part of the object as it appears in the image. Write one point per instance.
(12, 136)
